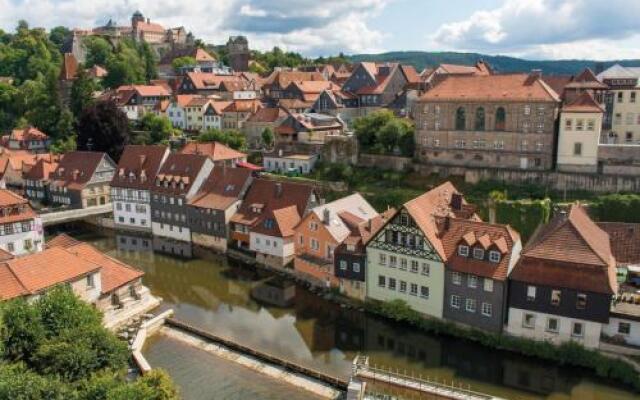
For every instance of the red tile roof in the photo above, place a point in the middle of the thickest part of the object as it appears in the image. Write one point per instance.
(284, 78)
(179, 171)
(28, 133)
(625, 241)
(250, 106)
(570, 252)
(138, 166)
(268, 114)
(487, 236)
(201, 55)
(215, 150)
(41, 171)
(76, 168)
(511, 87)
(149, 27)
(208, 80)
(145, 90)
(222, 188)
(584, 103)
(14, 208)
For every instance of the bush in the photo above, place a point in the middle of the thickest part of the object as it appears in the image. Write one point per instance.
(617, 208)
(523, 215)
(567, 353)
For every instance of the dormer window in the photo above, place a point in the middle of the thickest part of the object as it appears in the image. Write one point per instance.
(478, 254)
(463, 250)
(494, 256)
(268, 223)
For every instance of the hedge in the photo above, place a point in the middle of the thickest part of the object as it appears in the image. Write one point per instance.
(617, 208)
(569, 353)
(523, 215)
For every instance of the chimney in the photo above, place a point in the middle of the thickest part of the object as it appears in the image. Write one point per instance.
(278, 189)
(326, 216)
(536, 72)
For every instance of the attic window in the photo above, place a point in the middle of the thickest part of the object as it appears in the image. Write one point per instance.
(478, 254)
(268, 223)
(463, 251)
(494, 256)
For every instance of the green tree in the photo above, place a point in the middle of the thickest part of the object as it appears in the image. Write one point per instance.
(22, 332)
(149, 59)
(367, 128)
(232, 138)
(159, 127)
(103, 127)
(64, 145)
(180, 62)
(98, 51)
(267, 137)
(82, 92)
(59, 36)
(8, 113)
(129, 65)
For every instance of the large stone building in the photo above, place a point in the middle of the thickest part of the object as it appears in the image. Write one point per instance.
(622, 105)
(498, 121)
(239, 54)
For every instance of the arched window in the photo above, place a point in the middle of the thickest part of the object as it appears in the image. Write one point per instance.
(479, 119)
(500, 119)
(461, 120)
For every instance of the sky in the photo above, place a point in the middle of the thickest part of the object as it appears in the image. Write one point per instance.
(533, 29)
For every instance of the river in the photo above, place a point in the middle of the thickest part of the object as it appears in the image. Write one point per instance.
(244, 303)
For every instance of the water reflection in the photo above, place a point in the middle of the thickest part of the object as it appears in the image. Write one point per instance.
(246, 304)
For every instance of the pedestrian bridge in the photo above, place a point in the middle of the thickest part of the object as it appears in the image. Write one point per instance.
(76, 214)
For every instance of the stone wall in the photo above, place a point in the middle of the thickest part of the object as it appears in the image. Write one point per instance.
(395, 163)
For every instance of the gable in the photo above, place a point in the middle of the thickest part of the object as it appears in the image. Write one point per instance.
(402, 235)
(359, 78)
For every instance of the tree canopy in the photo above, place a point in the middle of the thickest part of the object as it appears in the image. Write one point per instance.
(232, 138)
(157, 129)
(56, 348)
(103, 127)
(381, 132)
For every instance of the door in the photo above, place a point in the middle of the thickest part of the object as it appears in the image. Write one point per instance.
(524, 162)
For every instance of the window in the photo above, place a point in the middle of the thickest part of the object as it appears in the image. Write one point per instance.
(500, 119)
(580, 125)
(620, 97)
(460, 119)
(552, 325)
(356, 267)
(463, 250)
(488, 285)
(531, 293)
(455, 301)
(487, 309)
(632, 99)
(393, 261)
(591, 125)
(555, 297)
(470, 305)
(624, 328)
(414, 266)
(90, 281)
(381, 281)
(426, 270)
(479, 125)
(383, 259)
(392, 284)
(577, 330)
(577, 149)
(424, 292)
(478, 254)
(456, 278)
(119, 206)
(529, 321)
(403, 286)
(315, 245)
(343, 265)
(301, 240)
(414, 289)
(403, 264)
(527, 109)
(494, 256)
(581, 302)
(28, 244)
(472, 281)
(313, 226)
(568, 124)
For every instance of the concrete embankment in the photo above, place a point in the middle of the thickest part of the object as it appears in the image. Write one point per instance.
(277, 372)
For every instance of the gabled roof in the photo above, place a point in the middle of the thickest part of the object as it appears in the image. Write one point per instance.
(586, 80)
(264, 197)
(138, 166)
(215, 150)
(489, 237)
(179, 169)
(209, 80)
(624, 239)
(76, 168)
(149, 27)
(584, 103)
(353, 209)
(284, 78)
(571, 252)
(18, 208)
(28, 133)
(145, 90)
(41, 171)
(268, 114)
(218, 106)
(222, 188)
(381, 79)
(426, 208)
(201, 55)
(251, 106)
(508, 87)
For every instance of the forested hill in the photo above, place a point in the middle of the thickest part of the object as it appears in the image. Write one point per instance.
(420, 59)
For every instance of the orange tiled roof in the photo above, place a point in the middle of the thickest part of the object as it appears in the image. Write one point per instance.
(138, 166)
(217, 151)
(585, 103)
(150, 27)
(201, 55)
(145, 90)
(76, 168)
(268, 114)
(41, 171)
(222, 188)
(208, 80)
(508, 87)
(625, 241)
(28, 133)
(571, 252)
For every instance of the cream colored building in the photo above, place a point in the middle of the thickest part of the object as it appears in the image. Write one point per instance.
(622, 102)
(579, 135)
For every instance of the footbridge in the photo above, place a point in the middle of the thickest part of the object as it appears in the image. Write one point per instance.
(76, 214)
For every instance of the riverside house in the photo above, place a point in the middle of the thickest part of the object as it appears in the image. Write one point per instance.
(216, 151)
(82, 179)
(480, 257)
(562, 286)
(131, 185)
(178, 180)
(406, 258)
(211, 209)
(265, 222)
(321, 231)
(20, 227)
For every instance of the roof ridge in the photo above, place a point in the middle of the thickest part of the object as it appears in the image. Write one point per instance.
(8, 265)
(584, 239)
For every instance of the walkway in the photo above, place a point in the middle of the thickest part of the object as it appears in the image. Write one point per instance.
(76, 214)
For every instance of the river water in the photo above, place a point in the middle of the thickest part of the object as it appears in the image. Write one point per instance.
(247, 305)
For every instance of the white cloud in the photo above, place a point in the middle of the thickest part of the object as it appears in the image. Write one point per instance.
(548, 28)
(309, 26)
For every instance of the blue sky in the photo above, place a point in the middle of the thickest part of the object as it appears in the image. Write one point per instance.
(535, 29)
